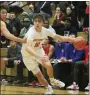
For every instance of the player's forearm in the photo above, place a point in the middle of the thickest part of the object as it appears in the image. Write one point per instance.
(64, 38)
(12, 37)
(32, 52)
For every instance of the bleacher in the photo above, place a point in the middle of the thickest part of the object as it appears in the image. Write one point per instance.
(10, 71)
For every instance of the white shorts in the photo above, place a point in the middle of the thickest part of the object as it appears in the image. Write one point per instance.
(32, 64)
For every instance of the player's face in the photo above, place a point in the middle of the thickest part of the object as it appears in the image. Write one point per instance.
(3, 14)
(38, 23)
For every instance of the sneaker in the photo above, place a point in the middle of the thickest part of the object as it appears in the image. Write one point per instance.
(37, 84)
(49, 90)
(17, 82)
(57, 83)
(87, 88)
(73, 86)
(4, 82)
(25, 84)
(32, 83)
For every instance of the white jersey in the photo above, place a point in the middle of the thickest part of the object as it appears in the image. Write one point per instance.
(35, 39)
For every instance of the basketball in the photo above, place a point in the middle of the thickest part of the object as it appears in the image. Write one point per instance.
(79, 43)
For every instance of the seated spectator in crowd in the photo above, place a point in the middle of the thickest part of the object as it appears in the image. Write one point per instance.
(48, 48)
(23, 15)
(26, 26)
(63, 5)
(58, 23)
(14, 24)
(86, 18)
(74, 55)
(48, 26)
(71, 17)
(31, 9)
(13, 58)
(43, 9)
(80, 68)
(67, 54)
(67, 21)
(60, 50)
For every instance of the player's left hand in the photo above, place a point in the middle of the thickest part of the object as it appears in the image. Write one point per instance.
(44, 58)
(24, 40)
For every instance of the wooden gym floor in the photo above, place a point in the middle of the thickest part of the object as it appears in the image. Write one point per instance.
(35, 90)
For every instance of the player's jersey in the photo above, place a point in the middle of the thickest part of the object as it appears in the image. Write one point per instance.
(35, 40)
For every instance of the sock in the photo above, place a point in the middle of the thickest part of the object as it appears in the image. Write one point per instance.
(51, 80)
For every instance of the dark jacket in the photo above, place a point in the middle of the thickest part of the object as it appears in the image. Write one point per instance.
(14, 53)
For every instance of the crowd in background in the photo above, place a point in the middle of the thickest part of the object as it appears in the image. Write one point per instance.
(69, 18)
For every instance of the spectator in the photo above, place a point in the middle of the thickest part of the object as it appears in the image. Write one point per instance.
(48, 48)
(31, 7)
(67, 54)
(15, 25)
(67, 21)
(13, 58)
(80, 7)
(48, 26)
(63, 5)
(23, 15)
(32, 12)
(27, 25)
(62, 70)
(60, 50)
(43, 9)
(80, 68)
(71, 16)
(86, 17)
(73, 54)
(58, 23)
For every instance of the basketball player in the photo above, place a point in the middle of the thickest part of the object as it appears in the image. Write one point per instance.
(4, 31)
(33, 53)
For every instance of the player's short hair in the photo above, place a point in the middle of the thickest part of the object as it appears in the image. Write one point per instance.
(39, 16)
(4, 7)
